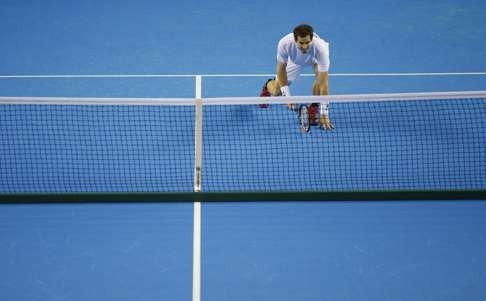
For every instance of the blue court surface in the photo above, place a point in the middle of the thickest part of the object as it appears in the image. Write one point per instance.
(408, 250)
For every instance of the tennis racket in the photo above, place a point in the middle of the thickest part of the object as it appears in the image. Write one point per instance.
(304, 118)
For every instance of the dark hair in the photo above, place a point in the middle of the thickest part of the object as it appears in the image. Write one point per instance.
(303, 30)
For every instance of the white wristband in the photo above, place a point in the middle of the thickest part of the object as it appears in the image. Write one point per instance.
(285, 91)
(324, 108)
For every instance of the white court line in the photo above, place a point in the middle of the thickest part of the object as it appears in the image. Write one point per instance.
(357, 74)
(196, 265)
(74, 76)
(196, 259)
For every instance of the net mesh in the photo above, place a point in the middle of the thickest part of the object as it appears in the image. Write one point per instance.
(405, 142)
(106, 148)
(393, 145)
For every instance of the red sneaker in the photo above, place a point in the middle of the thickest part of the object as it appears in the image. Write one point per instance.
(265, 93)
(313, 114)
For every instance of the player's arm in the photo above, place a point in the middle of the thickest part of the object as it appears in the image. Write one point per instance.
(321, 87)
(322, 84)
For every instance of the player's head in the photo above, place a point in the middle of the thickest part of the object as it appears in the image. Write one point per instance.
(303, 36)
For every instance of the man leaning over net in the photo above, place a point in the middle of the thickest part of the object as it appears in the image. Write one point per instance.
(296, 50)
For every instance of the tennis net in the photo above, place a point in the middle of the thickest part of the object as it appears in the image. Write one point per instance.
(382, 142)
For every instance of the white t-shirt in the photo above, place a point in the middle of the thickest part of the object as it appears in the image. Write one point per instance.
(318, 53)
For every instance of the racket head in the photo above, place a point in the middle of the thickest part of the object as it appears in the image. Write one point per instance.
(304, 118)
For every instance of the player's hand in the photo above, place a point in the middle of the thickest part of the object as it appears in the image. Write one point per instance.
(292, 107)
(326, 123)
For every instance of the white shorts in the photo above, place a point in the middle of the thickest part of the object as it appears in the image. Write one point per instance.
(294, 71)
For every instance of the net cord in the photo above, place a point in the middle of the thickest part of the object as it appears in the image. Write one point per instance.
(459, 95)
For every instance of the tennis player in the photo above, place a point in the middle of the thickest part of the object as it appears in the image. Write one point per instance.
(298, 49)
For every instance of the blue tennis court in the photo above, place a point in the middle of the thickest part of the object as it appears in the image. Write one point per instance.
(352, 250)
